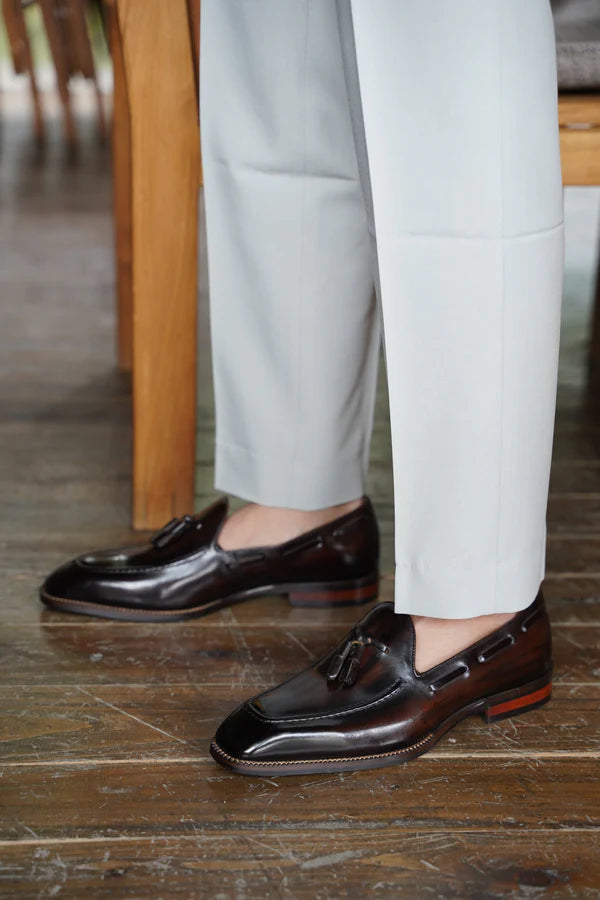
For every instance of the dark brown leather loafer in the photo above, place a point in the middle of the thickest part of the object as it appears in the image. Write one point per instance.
(364, 705)
(184, 572)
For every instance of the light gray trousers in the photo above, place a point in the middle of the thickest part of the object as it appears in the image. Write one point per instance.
(412, 145)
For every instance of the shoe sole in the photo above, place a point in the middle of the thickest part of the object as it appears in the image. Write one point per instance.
(494, 708)
(321, 594)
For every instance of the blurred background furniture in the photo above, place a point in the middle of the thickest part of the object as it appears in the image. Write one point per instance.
(577, 24)
(71, 49)
(20, 48)
(67, 33)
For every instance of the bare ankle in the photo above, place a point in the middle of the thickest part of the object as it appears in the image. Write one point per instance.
(440, 639)
(255, 525)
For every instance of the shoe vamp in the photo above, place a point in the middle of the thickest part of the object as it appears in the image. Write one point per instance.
(399, 720)
(193, 539)
(312, 693)
(170, 587)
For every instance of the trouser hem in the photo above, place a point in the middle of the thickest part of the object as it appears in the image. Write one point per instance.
(268, 481)
(453, 593)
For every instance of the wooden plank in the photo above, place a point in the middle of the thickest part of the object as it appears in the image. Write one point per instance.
(568, 584)
(577, 446)
(180, 653)
(572, 554)
(569, 477)
(164, 167)
(86, 800)
(574, 513)
(392, 862)
(52, 724)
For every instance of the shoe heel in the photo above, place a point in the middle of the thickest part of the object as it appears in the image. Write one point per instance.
(352, 593)
(519, 704)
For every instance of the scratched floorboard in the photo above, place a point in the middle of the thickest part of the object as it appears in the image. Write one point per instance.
(313, 864)
(71, 723)
(106, 787)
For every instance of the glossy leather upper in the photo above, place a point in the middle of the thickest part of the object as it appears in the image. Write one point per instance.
(183, 565)
(383, 703)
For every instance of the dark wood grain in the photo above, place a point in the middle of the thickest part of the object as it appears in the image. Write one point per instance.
(87, 800)
(43, 724)
(179, 653)
(391, 862)
(571, 513)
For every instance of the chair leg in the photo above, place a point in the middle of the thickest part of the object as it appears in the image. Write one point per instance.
(82, 58)
(164, 186)
(16, 29)
(60, 58)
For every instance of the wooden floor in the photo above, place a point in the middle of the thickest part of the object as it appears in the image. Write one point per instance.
(106, 785)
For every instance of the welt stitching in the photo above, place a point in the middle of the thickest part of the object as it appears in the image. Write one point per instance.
(296, 762)
(141, 611)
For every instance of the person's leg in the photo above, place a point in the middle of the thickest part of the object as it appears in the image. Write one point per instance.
(459, 151)
(295, 329)
(461, 142)
(296, 335)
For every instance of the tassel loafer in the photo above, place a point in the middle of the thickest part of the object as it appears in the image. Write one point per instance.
(183, 572)
(364, 705)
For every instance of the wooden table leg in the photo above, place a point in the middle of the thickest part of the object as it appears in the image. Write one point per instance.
(159, 71)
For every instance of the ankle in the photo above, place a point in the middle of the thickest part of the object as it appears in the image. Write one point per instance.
(255, 525)
(439, 639)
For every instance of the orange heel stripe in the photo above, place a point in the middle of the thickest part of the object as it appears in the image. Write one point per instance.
(541, 694)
